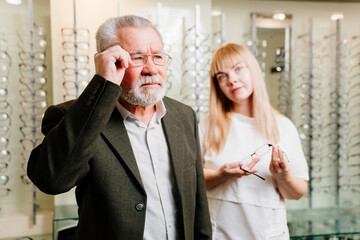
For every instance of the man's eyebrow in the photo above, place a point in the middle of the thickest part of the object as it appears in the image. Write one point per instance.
(141, 52)
(135, 52)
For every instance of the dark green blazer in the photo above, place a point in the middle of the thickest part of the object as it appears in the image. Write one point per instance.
(86, 145)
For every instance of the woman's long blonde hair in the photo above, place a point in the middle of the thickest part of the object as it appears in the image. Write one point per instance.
(220, 107)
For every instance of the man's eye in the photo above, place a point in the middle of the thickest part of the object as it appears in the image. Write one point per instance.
(158, 56)
(137, 58)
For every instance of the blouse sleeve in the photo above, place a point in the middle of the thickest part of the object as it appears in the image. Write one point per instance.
(202, 134)
(291, 145)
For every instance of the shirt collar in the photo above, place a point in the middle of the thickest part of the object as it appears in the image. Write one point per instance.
(160, 111)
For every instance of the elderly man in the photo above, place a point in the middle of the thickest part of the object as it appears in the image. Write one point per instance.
(132, 153)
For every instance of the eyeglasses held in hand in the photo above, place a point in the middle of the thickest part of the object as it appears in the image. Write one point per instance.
(261, 151)
(160, 59)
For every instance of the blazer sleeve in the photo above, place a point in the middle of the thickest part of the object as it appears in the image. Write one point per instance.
(202, 217)
(60, 162)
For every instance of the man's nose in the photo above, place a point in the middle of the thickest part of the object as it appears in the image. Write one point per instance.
(150, 67)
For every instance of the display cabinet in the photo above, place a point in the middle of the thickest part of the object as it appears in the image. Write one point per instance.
(64, 216)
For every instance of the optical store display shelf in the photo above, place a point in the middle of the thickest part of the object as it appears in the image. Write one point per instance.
(324, 223)
(37, 237)
(319, 223)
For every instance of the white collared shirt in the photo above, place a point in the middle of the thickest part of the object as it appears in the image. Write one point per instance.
(152, 156)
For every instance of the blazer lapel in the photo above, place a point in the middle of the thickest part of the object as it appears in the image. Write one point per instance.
(173, 128)
(116, 134)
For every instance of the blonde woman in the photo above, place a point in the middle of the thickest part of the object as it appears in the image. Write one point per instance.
(252, 155)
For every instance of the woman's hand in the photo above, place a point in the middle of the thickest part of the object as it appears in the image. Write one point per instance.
(279, 165)
(214, 177)
(236, 169)
(288, 185)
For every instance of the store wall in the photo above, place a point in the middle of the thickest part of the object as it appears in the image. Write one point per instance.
(170, 24)
(16, 206)
(238, 26)
(55, 15)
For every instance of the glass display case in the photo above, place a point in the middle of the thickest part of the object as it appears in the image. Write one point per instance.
(324, 223)
(64, 216)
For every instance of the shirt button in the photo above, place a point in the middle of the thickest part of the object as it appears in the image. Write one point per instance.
(140, 207)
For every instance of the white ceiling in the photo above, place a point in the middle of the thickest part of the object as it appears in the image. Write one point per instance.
(339, 1)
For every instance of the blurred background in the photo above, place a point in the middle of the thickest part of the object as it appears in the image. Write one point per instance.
(309, 52)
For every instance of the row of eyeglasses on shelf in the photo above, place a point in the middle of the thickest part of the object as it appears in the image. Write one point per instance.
(195, 67)
(326, 114)
(32, 46)
(76, 60)
(5, 112)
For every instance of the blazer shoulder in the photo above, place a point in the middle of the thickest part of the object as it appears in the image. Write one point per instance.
(172, 104)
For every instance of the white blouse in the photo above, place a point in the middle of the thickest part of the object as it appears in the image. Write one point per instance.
(250, 197)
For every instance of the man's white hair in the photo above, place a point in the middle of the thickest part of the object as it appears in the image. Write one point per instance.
(106, 34)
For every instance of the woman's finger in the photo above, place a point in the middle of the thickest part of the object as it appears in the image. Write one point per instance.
(251, 164)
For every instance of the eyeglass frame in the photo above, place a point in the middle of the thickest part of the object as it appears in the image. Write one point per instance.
(254, 153)
(145, 58)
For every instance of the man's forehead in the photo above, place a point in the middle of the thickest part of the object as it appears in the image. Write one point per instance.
(149, 50)
(140, 40)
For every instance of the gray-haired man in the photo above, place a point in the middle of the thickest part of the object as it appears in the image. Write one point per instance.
(132, 153)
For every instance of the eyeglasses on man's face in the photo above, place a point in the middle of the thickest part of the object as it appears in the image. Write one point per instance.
(140, 59)
(261, 151)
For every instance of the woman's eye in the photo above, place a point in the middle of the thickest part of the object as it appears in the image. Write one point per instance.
(238, 69)
(221, 77)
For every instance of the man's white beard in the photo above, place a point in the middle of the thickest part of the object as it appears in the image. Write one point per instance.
(145, 96)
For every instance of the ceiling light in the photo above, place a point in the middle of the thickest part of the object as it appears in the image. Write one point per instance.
(215, 13)
(336, 16)
(14, 2)
(279, 16)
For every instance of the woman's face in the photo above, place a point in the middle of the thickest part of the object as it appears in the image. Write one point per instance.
(236, 83)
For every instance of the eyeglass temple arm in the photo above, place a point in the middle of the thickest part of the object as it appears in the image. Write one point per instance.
(252, 173)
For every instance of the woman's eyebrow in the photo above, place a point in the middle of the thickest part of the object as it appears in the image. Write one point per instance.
(237, 64)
